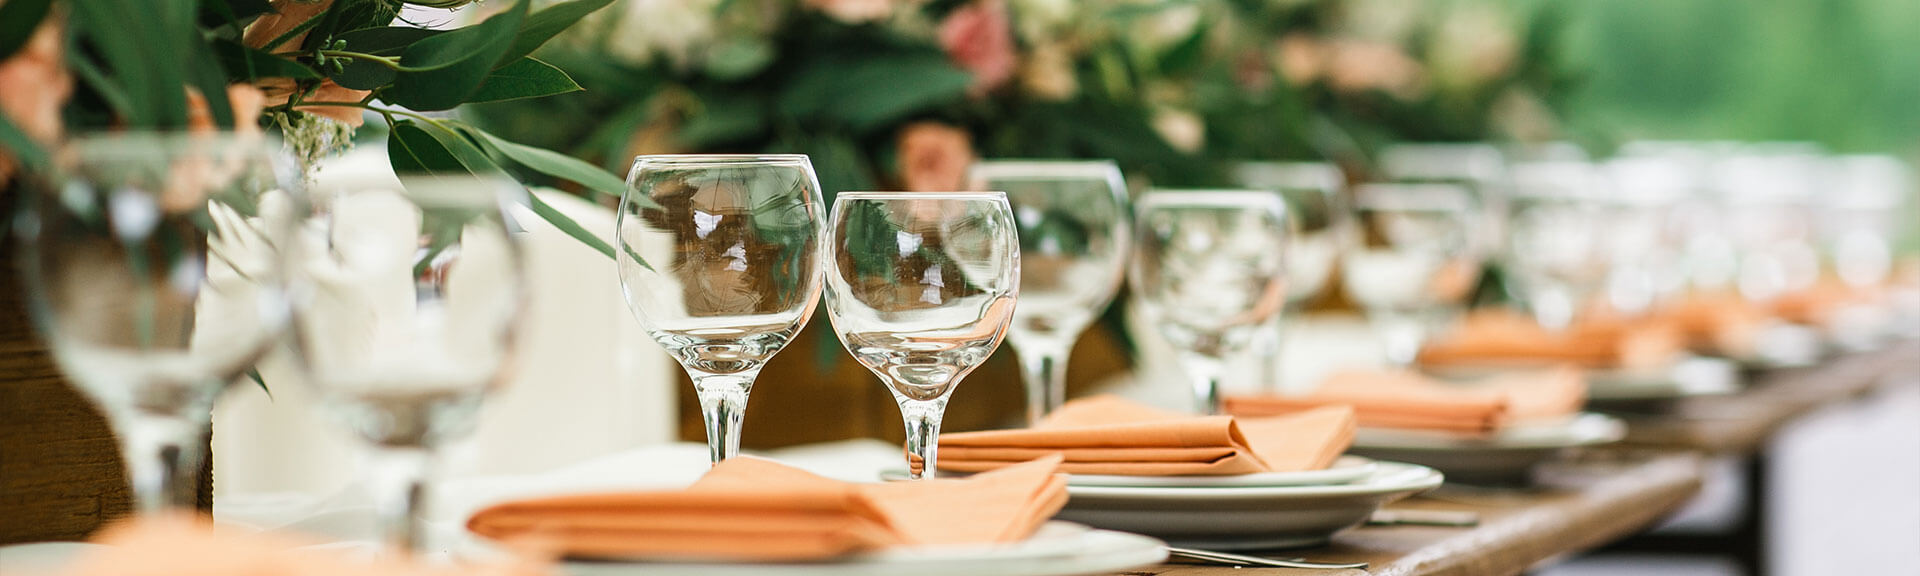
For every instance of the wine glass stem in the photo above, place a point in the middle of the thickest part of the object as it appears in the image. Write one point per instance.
(723, 404)
(1553, 308)
(1401, 335)
(398, 479)
(1270, 338)
(1044, 367)
(923, 435)
(1203, 372)
(163, 455)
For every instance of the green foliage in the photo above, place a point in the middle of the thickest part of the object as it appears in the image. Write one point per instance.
(18, 20)
(523, 78)
(441, 71)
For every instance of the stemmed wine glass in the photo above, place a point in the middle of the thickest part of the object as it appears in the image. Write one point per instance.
(1555, 255)
(921, 289)
(1410, 259)
(1477, 168)
(407, 299)
(1075, 229)
(1210, 268)
(719, 259)
(153, 267)
(1316, 220)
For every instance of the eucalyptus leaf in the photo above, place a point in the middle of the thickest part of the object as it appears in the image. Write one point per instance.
(16, 142)
(554, 164)
(364, 74)
(868, 92)
(411, 150)
(572, 228)
(523, 78)
(242, 62)
(549, 22)
(18, 20)
(135, 42)
(442, 71)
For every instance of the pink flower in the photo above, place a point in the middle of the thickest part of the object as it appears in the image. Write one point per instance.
(933, 157)
(978, 39)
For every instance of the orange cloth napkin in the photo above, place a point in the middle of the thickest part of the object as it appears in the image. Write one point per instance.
(1408, 400)
(1110, 435)
(753, 509)
(1501, 337)
(1817, 304)
(181, 546)
(1716, 322)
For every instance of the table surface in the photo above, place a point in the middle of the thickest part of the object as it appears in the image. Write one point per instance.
(1578, 504)
(1742, 422)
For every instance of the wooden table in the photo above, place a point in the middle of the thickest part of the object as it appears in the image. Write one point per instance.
(1743, 422)
(1578, 505)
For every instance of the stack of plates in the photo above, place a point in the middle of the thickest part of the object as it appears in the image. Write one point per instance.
(1505, 456)
(1058, 549)
(1253, 511)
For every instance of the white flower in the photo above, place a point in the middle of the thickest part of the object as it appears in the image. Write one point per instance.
(1382, 20)
(1182, 129)
(854, 11)
(1473, 45)
(672, 29)
(1041, 20)
(1166, 27)
(1047, 73)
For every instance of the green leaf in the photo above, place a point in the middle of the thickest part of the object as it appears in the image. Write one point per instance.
(248, 63)
(138, 44)
(724, 119)
(363, 74)
(16, 142)
(549, 22)
(870, 91)
(411, 150)
(553, 164)
(1188, 54)
(18, 20)
(442, 71)
(254, 374)
(206, 74)
(572, 228)
(523, 78)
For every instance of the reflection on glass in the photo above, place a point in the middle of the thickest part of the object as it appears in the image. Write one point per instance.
(408, 297)
(153, 269)
(719, 259)
(1075, 229)
(1210, 268)
(921, 290)
(1316, 221)
(1410, 261)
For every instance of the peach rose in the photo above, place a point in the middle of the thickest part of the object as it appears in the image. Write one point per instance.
(934, 157)
(1358, 66)
(287, 15)
(978, 39)
(247, 102)
(1301, 58)
(278, 90)
(33, 86)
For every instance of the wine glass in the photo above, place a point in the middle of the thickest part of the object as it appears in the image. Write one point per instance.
(1316, 221)
(1643, 238)
(1478, 168)
(719, 259)
(1075, 228)
(1555, 257)
(1410, 259)
(921, 289)
(152, 266)
(407, 298)
(1210, 268)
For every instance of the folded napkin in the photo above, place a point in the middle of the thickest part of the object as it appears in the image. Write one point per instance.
(1817, 305)
(1716, 322)
(182, 546)
(1110, 435)
(1500, 337)
(1399, 399)
(752, 509)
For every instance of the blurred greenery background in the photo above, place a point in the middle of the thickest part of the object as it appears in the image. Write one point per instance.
(1842, 73)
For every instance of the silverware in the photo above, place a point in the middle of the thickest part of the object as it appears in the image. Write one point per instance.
(1424, 518)
(1244, 560)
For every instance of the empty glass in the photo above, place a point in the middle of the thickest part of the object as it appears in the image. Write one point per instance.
(152, 266)
(1410, 259)
(1556, 258)
(1075, 230)
(408, 296)
(921, 289)
(1767, 194)
(1643, 238)
(1210, 268)
(719, 259)
(1316, 220)
(1479, 169)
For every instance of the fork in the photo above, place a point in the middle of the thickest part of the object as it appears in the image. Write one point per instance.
(1244, 560)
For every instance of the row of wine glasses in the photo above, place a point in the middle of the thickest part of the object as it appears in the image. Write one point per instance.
(162, 266)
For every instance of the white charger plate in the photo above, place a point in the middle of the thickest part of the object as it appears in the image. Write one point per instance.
(1690, 376)
(1246, 517)
(1058, 549)
(1506, 456)
(1344, 470)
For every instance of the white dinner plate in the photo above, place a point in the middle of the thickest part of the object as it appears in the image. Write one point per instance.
(1059, 549)
(1246, 517)
(1344, 470)
(1690, 376)
(1505, 456)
